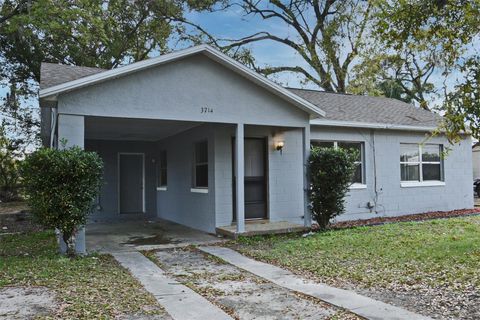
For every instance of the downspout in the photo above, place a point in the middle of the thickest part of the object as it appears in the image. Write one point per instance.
(375, 183)
(53, 127)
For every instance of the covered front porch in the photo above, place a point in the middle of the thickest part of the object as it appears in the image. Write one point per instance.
(186, 172)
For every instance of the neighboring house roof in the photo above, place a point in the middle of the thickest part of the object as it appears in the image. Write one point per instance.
(370, 112)
(51, 92)
(52, 74)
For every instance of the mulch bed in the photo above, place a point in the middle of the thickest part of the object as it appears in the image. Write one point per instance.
(406, 218)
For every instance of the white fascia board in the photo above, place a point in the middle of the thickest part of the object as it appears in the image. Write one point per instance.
(52, 92)
(354, 124)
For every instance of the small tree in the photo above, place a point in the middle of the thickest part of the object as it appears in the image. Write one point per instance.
(331, 171)
(9, 162)
(61, 186)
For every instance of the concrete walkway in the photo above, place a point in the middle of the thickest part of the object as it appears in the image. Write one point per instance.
(360, 305)
(178, 300)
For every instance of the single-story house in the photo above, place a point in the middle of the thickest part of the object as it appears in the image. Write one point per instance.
(476, 160)
(199, 139)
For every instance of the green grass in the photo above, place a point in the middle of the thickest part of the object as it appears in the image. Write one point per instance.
(435, 253)
(92, 287)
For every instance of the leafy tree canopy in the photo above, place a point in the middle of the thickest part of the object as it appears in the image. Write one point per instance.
(417, 45)
(95, 33)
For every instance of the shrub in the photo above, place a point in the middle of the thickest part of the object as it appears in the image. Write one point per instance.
(330, 171)
(61, 187)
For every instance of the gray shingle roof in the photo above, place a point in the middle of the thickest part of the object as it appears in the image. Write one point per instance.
(365, 109)
(52, 74)
(338, 107)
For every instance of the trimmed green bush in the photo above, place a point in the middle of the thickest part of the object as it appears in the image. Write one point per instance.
(61, 188)
(330, 171)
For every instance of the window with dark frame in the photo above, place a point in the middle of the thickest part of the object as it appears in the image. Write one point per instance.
(358, 176)
(421, 162)
(200, 168)
(162, 169)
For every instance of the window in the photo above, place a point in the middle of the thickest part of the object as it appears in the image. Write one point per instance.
(421, 162)
(162, 170)
(200, 169)
(358, 177)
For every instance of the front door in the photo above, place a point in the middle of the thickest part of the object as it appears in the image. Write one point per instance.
(131, 183)
(255, 179)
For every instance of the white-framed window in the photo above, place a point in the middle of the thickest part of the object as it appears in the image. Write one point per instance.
(162, 170)
(359, 176)
(200, 165)
(421, 162)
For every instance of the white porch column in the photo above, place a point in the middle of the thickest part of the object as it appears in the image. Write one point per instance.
(307, 215)
(240, 179)
(71, 128)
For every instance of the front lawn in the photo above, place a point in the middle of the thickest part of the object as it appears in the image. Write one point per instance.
(434, 261)
(91, 287)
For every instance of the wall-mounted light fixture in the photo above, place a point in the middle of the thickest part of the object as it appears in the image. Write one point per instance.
(279, 146)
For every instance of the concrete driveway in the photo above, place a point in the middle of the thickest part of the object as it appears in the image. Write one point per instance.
(142, 235)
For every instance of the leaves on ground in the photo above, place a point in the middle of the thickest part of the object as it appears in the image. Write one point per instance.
(434, 261)
(89, 287)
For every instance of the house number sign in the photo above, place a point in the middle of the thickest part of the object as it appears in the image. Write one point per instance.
(206, 110)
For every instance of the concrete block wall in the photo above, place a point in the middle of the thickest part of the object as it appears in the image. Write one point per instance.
(384, 187)
(285, 173)
(178, 203)
(286, 195)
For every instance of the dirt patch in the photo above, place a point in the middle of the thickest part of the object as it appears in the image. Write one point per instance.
(19, 222)
(13, 207)
(26, 302)
(406, 218)
(239, 293)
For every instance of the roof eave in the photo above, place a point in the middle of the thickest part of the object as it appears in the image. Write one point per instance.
(51, 94)
(369, 125)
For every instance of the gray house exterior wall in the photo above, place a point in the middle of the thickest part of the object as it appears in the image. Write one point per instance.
(206, 211)
(285, 173)
(178, 203)
(108, 202)
(178, 91)
(384, 188)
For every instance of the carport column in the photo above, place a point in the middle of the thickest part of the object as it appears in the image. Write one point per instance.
(71, 128)
(307, 215)
(239, 181)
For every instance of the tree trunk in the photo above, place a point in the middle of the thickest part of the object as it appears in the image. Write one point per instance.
(69, 239)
